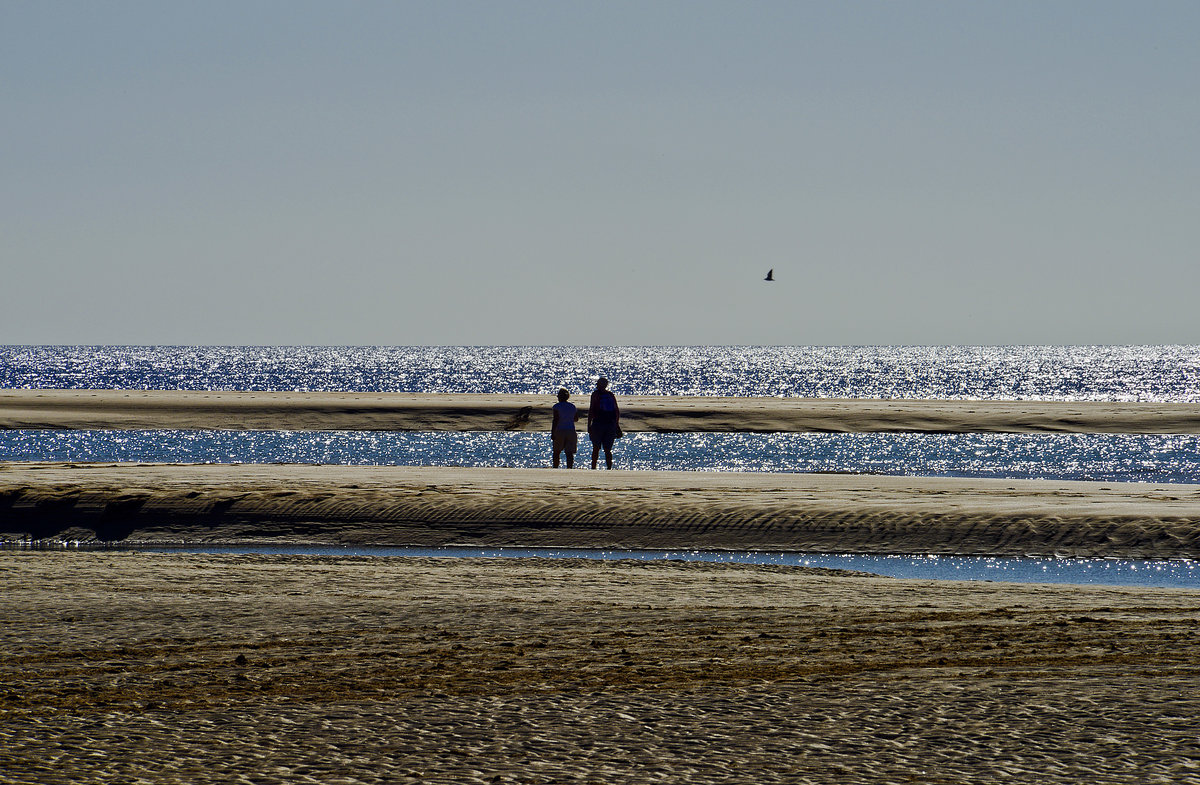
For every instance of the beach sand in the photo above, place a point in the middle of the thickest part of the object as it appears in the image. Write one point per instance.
(152, 409)
(177, 668)
(191, 668)
(435, 506)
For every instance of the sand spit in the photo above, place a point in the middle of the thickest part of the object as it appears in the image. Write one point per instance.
(268, 669)
(422, 506)
(140, 409)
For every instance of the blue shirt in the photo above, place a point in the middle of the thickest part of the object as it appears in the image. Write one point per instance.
(566, 416)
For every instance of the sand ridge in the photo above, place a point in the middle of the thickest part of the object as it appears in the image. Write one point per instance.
(433, 506)
(277, 669)
(179, 409)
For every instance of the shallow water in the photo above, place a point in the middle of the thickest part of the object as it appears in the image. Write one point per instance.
(1174, 573)
(1098, 457)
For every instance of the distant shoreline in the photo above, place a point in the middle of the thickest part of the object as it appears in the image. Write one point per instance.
(319, 411)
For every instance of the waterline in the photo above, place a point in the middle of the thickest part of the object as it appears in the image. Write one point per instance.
(1159, 573)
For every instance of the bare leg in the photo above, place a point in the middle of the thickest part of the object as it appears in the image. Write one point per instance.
(608, 458)
(595, 454)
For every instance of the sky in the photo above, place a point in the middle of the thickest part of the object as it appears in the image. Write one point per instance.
(599, 173)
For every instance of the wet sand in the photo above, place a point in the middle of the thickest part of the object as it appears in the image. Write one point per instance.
(423, 506)
(153, 409)
(273, 669)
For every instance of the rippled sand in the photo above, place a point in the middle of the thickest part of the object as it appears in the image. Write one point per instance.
(290, 669)
(433, 506)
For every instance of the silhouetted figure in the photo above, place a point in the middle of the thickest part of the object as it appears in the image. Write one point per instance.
(770, 275)
(604, 420)
(562, 429)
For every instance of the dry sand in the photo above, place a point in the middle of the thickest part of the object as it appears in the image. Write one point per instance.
(398, 505)
(176, 668)
(140, 409)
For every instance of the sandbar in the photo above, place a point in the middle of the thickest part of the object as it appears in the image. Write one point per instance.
(300, 411)
(439, 506)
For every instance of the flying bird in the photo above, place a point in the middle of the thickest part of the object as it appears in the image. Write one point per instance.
(770, 275)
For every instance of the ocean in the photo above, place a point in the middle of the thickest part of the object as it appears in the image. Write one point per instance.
(1061, 373)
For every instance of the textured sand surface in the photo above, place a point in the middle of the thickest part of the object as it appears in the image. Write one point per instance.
(402, 505)
(172, 668)
(139, 409)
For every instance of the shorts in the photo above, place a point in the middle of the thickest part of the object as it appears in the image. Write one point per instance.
(565, 441)
(603, 434)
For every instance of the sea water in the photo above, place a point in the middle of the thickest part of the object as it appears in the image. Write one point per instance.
(1061, 373)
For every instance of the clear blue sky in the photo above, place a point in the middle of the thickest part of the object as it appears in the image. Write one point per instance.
(599, 172)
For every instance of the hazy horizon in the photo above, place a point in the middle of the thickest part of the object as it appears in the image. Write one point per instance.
(596, 174)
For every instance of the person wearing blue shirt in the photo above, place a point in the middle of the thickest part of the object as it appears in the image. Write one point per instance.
(562, 429)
